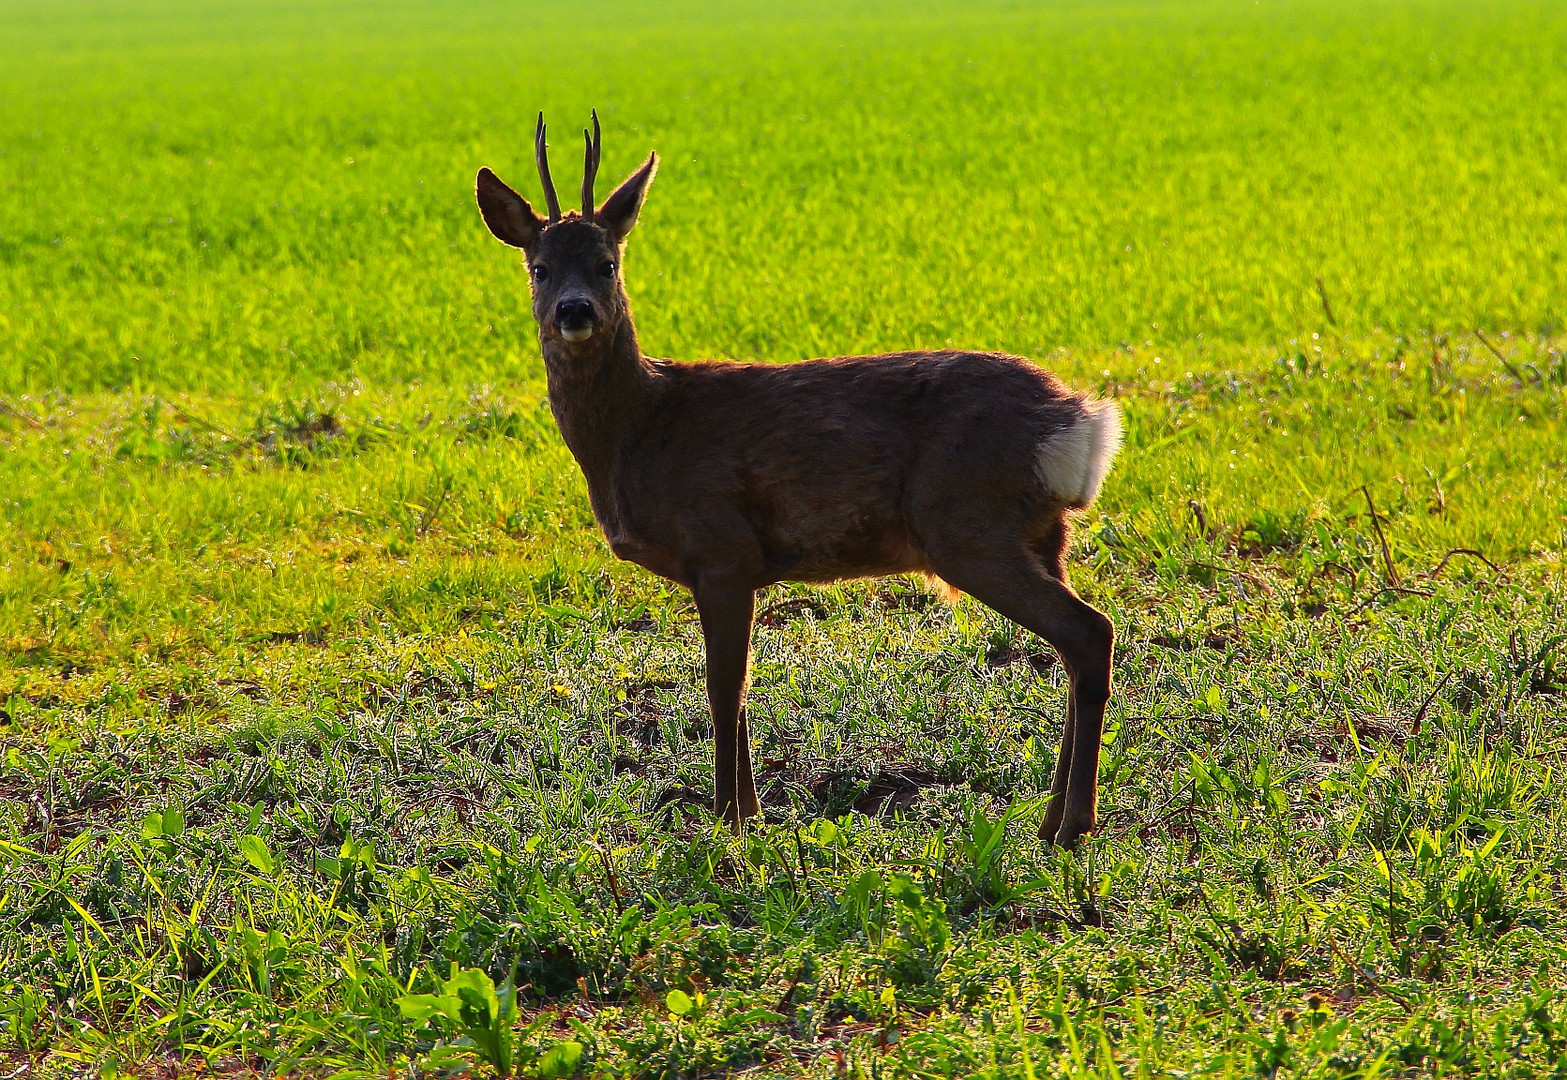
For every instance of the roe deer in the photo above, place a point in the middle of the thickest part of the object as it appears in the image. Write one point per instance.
(728, 477)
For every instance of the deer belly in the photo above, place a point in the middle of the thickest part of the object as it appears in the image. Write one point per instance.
(854, 554)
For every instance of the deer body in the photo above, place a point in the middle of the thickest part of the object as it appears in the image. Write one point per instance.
(861, 463)
(728, 477)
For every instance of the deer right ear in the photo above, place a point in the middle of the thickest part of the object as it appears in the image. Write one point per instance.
(620, 210)
(507, 214)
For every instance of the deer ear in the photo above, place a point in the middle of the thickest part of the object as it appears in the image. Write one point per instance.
(619, 212)
(507, 214)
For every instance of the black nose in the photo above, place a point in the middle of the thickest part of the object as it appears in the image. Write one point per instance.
(574, 313)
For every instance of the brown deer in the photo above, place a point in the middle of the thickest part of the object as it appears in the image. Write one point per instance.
(728, 477)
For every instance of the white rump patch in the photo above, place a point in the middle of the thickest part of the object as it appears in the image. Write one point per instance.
(1073, 462)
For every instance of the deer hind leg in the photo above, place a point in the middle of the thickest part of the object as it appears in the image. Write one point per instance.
(1012, 579)
(726, 613)
(1050, 547)
(1055, 812)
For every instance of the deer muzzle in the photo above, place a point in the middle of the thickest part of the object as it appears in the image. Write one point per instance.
(575, 319)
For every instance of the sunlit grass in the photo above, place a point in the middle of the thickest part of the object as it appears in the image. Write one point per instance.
(265, 196)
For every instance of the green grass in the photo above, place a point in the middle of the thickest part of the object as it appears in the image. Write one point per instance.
(324, 711)
(249, 198)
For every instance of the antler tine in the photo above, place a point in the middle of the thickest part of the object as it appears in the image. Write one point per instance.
(541, 155)
(590, 165)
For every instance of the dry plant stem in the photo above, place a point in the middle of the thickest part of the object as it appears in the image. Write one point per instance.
(1197, 512)
(1420, 715)
(1327, 309)
(1254, 579)
(191, 418)
(1398, 589)
(1369, 978)
(1387, 555)
(791, 605)
(1514, 372)
(613, 881)
(1439, 567)
(430, 516)
(30, 421)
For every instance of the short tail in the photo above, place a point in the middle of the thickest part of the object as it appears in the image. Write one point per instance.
(1073, 462)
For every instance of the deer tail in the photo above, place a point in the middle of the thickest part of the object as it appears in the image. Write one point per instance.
(1073, 462)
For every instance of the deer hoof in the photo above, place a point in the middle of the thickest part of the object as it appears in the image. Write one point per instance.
(1071, 834)
(729, 812)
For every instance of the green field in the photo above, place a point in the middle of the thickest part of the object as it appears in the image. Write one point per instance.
(324, 708)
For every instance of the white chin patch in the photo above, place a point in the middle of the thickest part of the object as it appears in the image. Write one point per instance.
(581, 333)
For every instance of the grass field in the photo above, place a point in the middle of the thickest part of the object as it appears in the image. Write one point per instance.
(333, 740)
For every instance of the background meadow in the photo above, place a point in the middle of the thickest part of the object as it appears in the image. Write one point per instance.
(324, 711)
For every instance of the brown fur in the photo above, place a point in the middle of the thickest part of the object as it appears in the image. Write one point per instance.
(728, 477)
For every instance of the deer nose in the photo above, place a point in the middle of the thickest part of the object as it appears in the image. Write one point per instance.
(575, 318)
(574, 312)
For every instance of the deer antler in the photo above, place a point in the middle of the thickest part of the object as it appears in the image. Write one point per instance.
(541, 155)
(590, 165)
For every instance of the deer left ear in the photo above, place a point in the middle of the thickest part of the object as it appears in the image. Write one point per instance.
(619, 212)
(507, 214)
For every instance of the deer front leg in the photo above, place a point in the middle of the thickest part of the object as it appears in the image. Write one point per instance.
(726, 612)
(745, 782)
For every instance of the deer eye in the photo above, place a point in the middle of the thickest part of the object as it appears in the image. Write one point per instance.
(607, 268)
(540, 272)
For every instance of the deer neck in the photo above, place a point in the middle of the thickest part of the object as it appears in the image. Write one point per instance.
(598, 396)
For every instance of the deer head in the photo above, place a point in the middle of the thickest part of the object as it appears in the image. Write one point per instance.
(573, 258)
